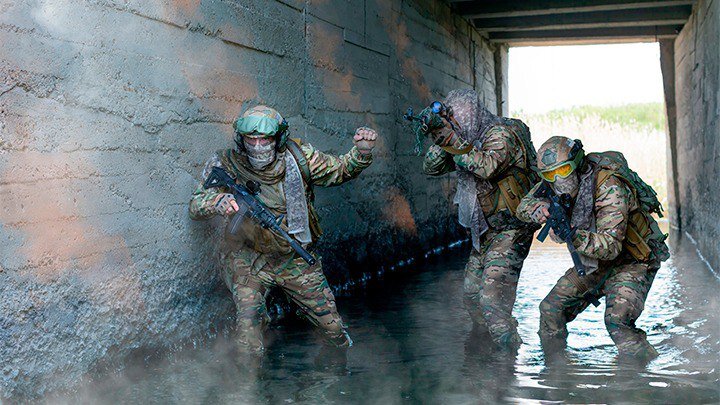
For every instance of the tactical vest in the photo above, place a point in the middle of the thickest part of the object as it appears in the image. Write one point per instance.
(517, 180)
(254, 236)
(643, 238)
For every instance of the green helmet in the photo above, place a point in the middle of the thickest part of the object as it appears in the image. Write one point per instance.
(261, 121)
(558, 157)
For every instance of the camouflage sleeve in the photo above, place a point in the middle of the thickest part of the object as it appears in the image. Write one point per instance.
(495, 155)
(612, 204)
(327, 170)
(202, 201)
(437, 162)
(528, 204)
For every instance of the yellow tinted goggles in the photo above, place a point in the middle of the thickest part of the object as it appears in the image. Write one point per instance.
(561, 171)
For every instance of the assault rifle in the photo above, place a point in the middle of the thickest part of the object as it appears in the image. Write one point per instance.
(255, 209)
(560, 224)
(422, 124)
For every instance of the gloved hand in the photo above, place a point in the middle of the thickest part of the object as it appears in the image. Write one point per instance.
(364, 139)
(562, 236)
(554, 237)
(540, 213)
(431, 120)
(225, 204)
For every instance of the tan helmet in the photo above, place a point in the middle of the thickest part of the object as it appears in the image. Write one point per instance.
(558, 157)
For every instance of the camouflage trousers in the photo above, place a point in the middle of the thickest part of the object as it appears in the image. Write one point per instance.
(625, 287)
(250, 274)
(491, 278)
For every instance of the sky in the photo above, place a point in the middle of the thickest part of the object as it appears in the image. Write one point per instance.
(555, 77)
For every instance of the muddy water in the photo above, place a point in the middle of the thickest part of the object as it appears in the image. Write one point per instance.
(413, 343)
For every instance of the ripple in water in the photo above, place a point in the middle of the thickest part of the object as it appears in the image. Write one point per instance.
(413, 342)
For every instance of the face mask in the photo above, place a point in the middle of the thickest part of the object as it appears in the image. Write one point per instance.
(568, 185)
(260, 156)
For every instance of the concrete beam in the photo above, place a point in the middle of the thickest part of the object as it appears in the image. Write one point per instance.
(667, 66)
(675, 15)
(502, 57)
(524, 8)
(586, 34)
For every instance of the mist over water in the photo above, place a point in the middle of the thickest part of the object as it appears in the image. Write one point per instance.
(413, 343)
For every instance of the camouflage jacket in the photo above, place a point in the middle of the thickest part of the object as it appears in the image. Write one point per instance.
(615, 208)
(325, 170)
(502, 156)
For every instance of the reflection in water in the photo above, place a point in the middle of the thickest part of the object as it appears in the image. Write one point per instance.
(414, 342)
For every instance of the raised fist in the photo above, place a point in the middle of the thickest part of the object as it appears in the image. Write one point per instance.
(364, 139)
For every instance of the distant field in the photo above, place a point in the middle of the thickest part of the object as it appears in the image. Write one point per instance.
(636, 130)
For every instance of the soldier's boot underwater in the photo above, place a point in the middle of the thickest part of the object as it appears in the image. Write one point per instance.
(625, 301)
(248, 337)
(486, 323)
(553, 333)
(487, 308)
(336, 341)
(503, 328)
(332, 358)
(631, 342)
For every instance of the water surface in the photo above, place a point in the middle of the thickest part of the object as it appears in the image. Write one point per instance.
(413, 343)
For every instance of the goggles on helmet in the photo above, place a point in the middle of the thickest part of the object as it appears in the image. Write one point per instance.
(255, 126)
(563, 170)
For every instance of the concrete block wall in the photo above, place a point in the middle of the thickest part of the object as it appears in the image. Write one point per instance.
(696, 178)
(108, 109)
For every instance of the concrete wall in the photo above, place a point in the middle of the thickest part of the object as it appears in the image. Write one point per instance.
(108, 109)
(696, 153)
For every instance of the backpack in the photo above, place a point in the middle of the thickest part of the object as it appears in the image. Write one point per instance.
(614, 163)
(522, 132)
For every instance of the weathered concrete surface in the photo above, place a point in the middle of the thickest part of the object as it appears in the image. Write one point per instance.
(697, 168)
(109, 107)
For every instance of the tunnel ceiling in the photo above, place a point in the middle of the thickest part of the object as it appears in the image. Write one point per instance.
(546, 22)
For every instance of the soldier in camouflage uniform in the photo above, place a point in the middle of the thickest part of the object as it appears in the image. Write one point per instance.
(255, 259)
(493, 157)
(619, 242)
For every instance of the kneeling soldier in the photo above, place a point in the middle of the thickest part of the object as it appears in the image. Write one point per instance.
(254, 258)
(619, 242)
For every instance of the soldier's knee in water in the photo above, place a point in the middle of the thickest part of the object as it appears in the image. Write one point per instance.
(551, 317)
(614, 322)
(547, 308)
(470, 290)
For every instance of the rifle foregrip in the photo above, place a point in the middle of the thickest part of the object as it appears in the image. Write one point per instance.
(544, 232)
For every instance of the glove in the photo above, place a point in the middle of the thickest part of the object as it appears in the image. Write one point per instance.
(225, 204)
(539, 213)
(430, 121)
(450, 141)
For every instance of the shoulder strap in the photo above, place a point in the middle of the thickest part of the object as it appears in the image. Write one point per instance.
(227, 159)
(293, 147)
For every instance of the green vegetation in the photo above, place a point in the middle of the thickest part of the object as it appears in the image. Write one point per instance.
(636, 130)
(642, 115)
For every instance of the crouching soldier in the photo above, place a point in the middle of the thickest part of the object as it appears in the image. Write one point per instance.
(493, 157)
(619, 242)
(254, 258)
